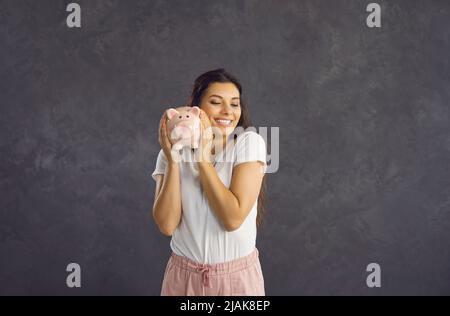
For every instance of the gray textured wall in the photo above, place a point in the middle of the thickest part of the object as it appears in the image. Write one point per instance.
(364, 139)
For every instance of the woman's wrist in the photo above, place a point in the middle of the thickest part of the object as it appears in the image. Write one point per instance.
(173, 158)
(205, 158)
(203, 165)
(172, 164)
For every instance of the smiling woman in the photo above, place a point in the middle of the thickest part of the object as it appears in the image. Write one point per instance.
(211, 207)
(222, 105)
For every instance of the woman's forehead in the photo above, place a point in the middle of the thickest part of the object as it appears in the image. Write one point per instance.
(224, 90)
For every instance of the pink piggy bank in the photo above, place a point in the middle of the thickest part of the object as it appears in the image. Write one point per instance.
(183, 127)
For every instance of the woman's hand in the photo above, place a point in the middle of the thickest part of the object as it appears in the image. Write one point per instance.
(166, 145)
(206, 138)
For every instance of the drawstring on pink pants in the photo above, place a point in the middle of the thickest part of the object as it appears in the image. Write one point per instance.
(204, 270)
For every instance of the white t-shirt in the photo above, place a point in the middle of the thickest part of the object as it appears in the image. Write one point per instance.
(200, 236)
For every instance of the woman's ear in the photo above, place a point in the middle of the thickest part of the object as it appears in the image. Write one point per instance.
(171, 113)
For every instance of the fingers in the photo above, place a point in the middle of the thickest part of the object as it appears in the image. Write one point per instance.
(204, 120)
(166, 135)
(159, 131)
(203, 115)
(161, 122)
(162, 118)
(163, 137)
(206, 131)
(161, 126)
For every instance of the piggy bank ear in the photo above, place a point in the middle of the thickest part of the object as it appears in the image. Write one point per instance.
(171, 113)
(196, 110)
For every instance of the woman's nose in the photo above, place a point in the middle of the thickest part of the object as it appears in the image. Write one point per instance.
(226, 108)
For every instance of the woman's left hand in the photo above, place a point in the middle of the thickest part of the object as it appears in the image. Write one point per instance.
(206, 138)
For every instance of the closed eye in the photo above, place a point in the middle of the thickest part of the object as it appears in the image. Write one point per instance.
(215, 103)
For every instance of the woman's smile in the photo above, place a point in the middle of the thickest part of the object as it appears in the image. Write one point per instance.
(223, 122)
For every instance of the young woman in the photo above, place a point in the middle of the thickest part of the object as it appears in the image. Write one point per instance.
(211, 205)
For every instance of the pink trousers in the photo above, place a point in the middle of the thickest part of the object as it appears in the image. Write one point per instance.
(184, 277)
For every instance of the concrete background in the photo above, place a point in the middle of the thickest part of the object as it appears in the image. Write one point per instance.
(364, 139)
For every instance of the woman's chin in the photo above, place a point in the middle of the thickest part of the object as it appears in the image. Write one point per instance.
(224, 129)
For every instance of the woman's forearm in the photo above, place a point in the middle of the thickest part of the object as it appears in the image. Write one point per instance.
(167, 208)
(221, 199)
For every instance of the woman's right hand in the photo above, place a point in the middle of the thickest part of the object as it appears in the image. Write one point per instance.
(166, 145)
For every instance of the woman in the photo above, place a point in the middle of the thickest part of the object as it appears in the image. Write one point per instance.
(211, 205)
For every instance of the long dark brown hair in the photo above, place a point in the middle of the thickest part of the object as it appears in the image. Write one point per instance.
(201, 84)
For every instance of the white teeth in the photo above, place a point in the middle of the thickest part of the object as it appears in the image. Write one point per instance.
(223, 122)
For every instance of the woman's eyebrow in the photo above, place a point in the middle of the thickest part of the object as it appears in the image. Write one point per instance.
(218, 96)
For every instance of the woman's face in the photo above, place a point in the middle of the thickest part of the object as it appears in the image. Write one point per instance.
(221, 102)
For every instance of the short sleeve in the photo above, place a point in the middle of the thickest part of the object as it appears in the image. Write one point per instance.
(161, 163)
(250, 146)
